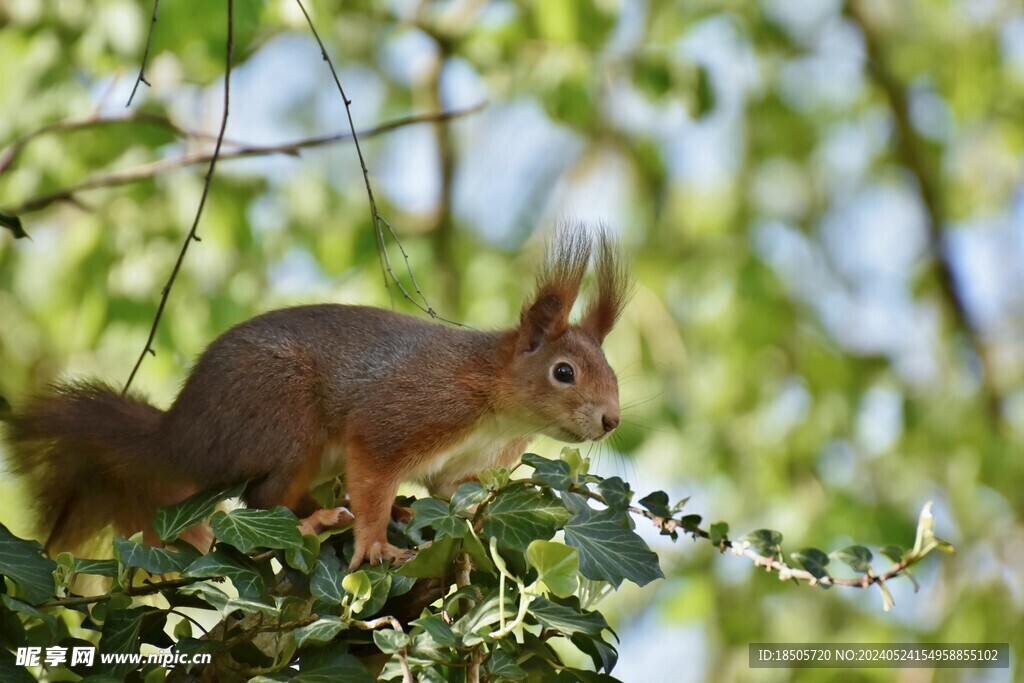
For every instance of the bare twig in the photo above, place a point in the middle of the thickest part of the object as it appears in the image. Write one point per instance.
(11, 151)
(139, 173)
(913, 158)
(229, 56)
(145, 55)
(379, 223)
(147, 589)
(388, 622)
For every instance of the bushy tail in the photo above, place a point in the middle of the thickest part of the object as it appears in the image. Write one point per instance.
(92, 458)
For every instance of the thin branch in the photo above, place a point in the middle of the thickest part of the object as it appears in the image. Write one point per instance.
(380, 225)
(388, 622)
(147, 589)
(139, 173)
(11, 151)
(912, 156)
(229, 55)
(145, 55)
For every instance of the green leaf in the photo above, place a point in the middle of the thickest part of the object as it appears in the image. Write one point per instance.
(321, 631)
(433, 560)
(494, 478)
(814, 561)
(719, 532)
(478, 621)
(358, 586)
(437, 628)
(437, 515)
(304, 558)
(926, 540)
(893, 552)
(557, 565)
(171, 520)
(390, 640)
(609, 551)
(471, 544)
(578, 465)
(248, 529)
(567, 620)
(23, 563)
(228, 562)
(553, 473)
(121, 636)
(325, 582)
(331, 664)
(106, 568)
(501, 665)
(521, 515)
(657, 504)
(857, 556)
(601, 653)
(22, 607)
(12, 223)
(131, 553)
(616, 493)
(466, 496)
(766, 542)
(224, 603)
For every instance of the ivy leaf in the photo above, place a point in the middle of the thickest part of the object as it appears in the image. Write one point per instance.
(437, 515)
(557, 565)
(601, 653)
(502, 666)
(554, 473)
(390, 640)
(12, 223)
(131, 553)
(466, 496)
(320, 632)
(248, 529)
(609, 551)
(521, 515)
(224, 603)
(21, 607)
(893, 552)
(766, 542)
(23, 563)
(304, 558)
(432, 560)
(106, 568)
(567, 620)
(437, 628)
(380, 589)
(325, 581)
(657, 504)
(331, 664)
(857, 556)
(171, 520)
(121, 637)
(228, 562)
(478, 620)
(616, 493)
(814, 561)
(719, 532)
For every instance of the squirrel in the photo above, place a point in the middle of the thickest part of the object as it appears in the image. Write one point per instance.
(297, 396)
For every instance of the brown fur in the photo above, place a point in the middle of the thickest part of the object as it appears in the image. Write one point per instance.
(272, 398)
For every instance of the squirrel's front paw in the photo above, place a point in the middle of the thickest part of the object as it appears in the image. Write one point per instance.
(325, 519)
(377, 553)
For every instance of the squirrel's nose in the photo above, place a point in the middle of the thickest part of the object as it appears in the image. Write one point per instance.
(610, 421)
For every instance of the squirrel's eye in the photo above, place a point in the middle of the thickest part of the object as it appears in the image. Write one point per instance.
(564, 373)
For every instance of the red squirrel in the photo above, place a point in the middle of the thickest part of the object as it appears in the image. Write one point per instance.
(296, 396)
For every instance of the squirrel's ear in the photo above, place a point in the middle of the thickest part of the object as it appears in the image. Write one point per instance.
(546, 318)
(613, 290)
(558, 285)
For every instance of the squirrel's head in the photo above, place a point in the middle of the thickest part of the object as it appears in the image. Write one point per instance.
(558, 374)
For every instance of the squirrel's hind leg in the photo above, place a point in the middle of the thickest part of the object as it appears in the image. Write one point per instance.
(371, 490)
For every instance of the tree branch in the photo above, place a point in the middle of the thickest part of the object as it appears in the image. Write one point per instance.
(145, 55)
(378, 221)
(912, 157)
(229, 56)
(241, 151)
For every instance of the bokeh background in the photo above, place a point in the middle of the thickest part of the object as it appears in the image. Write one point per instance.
(822, 202)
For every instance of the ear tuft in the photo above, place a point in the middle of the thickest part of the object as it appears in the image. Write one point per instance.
(614, 288)
(546, 315)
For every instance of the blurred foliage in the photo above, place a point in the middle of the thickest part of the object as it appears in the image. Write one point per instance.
(791, 359)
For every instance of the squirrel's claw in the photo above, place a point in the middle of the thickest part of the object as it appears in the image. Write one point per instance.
(326, 519)
(378, 552)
